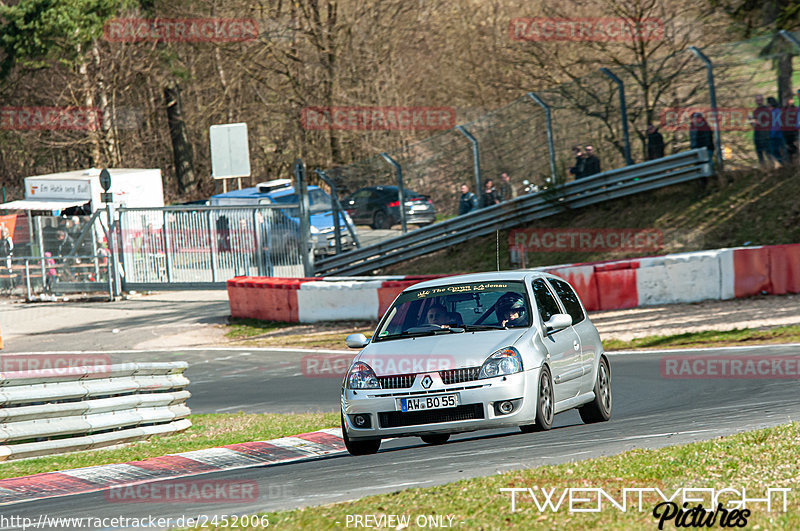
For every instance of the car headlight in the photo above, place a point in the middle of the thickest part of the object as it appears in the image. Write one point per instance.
(361, 376)
(505, 361)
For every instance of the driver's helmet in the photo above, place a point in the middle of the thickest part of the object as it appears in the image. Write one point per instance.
(510, 301)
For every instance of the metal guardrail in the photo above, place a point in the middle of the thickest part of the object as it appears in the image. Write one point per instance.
(605, 186)
(50, 411)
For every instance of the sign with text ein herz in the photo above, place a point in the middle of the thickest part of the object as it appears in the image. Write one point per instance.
(230, 151)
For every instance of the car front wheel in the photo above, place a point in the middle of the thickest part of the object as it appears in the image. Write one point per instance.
(599, 409)
(544, 404)
(363, 447)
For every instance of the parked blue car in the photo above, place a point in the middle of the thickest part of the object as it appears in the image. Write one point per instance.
(281, 191)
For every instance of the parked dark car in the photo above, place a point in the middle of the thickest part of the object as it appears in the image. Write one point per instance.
(379, 207)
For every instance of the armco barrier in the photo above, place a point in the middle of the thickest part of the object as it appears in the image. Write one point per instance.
(81, 408)
(717, 274)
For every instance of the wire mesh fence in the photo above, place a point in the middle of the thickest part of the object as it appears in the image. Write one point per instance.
(663, 92)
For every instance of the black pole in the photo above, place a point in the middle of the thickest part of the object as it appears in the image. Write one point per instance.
(623, 110)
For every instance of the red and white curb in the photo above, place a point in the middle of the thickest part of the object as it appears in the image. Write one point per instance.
(312, 445)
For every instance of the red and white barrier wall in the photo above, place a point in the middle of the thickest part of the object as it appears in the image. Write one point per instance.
(686, 277)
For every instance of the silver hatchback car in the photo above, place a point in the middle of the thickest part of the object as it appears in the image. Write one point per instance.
(472, 352)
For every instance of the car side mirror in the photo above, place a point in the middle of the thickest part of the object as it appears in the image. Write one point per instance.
(357, 341)
(558, 322)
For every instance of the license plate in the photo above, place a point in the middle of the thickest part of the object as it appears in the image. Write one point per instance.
(428, 402)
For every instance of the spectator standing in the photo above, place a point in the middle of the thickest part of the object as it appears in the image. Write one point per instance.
(777, 149)
(6, 251)
(591, 165)
(51, 273)
(655, 143)
(489, 195)
(700, 134)
(789, 126)
(580, 160)
(468, 201)
(507, 191)
(762, 117)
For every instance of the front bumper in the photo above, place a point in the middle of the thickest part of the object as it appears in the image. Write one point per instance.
(476, 409)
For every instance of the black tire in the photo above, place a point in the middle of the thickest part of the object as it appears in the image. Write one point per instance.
(381, 220)
(599, 409)
(436, 438)
(545, 404)
(363, 447)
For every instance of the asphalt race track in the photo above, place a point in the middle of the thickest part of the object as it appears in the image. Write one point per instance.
(649, 411)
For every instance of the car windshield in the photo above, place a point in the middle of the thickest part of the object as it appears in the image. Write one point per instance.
(318, 201)
(454, 308)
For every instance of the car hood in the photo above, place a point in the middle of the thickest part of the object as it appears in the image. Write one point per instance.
(324, 220)
(433, 353)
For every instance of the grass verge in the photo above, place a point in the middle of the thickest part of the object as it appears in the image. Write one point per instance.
(330, 335)
(207, 431)
(753, 461)
(711, 338)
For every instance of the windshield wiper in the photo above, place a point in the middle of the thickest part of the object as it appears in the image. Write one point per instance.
(477, 328)
(423, 331)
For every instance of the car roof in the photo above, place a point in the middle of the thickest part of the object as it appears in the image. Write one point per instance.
(517, 274)
(254, 193)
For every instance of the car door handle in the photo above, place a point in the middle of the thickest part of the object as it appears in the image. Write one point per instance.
(576, 345)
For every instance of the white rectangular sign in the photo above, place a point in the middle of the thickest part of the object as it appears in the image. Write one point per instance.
(230, 151)
(57, 189)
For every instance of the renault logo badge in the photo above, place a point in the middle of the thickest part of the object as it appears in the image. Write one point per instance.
(427, 382)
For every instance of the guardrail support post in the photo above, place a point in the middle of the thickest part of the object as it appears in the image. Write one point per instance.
(305, 222)
(549, 128)
(713, 94)
(400, 190)
(337, 207)
(623, 110)
(476, 158)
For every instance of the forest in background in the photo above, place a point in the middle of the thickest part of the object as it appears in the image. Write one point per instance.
(157, 100)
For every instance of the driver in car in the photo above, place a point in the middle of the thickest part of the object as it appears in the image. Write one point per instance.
(511, 310)
(437, 315)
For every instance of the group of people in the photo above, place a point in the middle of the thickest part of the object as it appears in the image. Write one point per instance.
(775, 130)
(489, 195)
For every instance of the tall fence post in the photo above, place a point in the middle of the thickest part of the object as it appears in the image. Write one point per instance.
(400, 190)
(623, 111)
(549, 129)
(476, 158)
(713, 94)
(337, 207)
(305, 222)
(113, 247)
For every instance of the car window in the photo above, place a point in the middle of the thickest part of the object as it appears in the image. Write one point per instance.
(545, 301)
(569, 299)
(488, 305)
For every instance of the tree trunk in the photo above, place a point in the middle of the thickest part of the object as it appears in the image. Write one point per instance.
(784, 77)
(181, 147)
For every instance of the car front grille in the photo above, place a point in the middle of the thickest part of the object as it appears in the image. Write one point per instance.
(403, 381)
(455, 376)
(397, 419)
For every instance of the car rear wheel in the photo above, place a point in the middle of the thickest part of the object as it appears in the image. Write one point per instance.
(599, 409)
(380, 220)
(363, 447)
(436, 438)
(544, 404)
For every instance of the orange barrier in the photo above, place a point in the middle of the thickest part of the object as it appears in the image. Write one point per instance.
(784, 269)
(751, 271)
